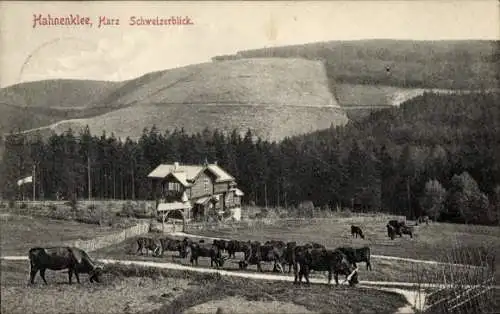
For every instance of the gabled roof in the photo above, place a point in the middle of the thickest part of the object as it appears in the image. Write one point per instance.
(188, 173)
(162, 171)
(237, 191)
(181, 177)
(221, 175)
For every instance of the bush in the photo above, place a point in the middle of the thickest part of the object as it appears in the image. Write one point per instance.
(306, 209)
(60, 213)
(129, 210)
(12, 204)
(23, 206)
(72, 203)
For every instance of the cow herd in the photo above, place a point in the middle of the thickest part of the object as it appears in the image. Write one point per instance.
(395, 227)
(303, 258)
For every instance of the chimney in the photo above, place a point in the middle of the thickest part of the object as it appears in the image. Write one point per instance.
(176, 165)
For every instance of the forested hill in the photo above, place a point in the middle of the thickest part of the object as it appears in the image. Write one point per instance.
(449, 64)
(436, 154)
(431, 140)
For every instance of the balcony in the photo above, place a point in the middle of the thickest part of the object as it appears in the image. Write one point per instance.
(173, 196)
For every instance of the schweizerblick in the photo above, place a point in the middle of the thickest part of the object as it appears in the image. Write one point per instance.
(69, 20)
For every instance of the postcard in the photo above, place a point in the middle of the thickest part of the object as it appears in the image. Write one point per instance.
(249, 156)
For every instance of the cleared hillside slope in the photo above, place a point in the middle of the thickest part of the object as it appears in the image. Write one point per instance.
(293, 82)
(273, 97)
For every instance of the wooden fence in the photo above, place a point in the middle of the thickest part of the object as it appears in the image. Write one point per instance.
(111, 239)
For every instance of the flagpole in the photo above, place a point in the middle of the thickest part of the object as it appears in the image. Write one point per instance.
(34, 181)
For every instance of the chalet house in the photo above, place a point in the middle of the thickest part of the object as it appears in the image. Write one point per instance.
(193, 191)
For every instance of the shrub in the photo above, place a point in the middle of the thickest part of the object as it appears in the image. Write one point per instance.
(60, 213)
(127, 210)
(12, 204)
(72, 203)
(306, 209)
(23, 206)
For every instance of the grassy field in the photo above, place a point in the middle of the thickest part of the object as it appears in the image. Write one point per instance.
(436, 241)
(382, 269)
(20, 233)
(143, 290)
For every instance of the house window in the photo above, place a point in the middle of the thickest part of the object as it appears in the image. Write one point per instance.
(174, 186)
(205, 181)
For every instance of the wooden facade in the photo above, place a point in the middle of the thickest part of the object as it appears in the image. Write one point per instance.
(207, 188)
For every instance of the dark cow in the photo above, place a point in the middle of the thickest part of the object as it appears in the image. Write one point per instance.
(334, 262)
(396, 228)
(423, 219)
(171, 244)
(407, 230)
(234, 246)
(73, 259)
(357, 255)
(315, 245)
(221, 244)
(290, 255)
(269, 252)
(391, 231)
(207, 250)
(355, 231)
(148, 244)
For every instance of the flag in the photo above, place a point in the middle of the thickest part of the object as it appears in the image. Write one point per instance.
(25, 180)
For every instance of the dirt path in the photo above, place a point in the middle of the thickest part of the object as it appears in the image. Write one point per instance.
(183, 234)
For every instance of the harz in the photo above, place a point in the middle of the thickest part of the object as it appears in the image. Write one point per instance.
(106, 21)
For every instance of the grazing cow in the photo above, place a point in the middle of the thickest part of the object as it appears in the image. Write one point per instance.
(315, 245)
(221, 244)
(268, 252)
(73, 259)
(148, 244)
(171, 244)
(334, 262)
(207, 250)
(234, 246)
(423, 219)
(391, 231)
(355, 231)
(357, 255)
(407, 230)
(290, 255)
(396, 227)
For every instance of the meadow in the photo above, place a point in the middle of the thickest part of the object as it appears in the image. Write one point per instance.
(442, 242)
(131, 289)
(20, 233)
(436, 241)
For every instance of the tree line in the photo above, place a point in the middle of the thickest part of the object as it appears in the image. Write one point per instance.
(435, 154)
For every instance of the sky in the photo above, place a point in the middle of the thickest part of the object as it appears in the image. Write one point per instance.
(122, 52)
